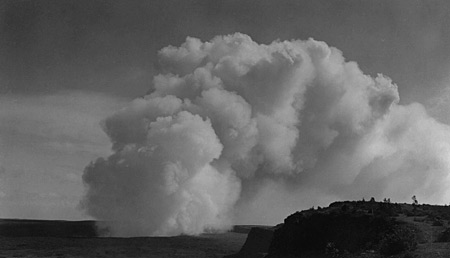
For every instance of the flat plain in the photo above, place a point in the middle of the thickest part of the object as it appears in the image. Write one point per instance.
(206, 245)
(35, 238)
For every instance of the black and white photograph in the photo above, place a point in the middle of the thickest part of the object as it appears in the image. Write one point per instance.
(225, 128)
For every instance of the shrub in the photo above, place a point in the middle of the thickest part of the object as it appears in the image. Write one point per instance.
(437, 223)
(331, 250)
(400, 239)
(409, 255)
(444, 236)
(408, 213)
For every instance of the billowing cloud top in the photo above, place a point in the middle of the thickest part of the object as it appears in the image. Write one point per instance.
(228, 121)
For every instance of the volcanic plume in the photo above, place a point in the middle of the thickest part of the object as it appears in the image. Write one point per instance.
(233, 131)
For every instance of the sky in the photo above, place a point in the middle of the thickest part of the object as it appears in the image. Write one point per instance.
(67, 65)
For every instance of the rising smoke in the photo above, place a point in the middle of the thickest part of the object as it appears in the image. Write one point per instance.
(234, 131)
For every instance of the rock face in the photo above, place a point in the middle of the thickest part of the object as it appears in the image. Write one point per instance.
(341, 228)
(257, 243)
(345, 228)
(328, 233)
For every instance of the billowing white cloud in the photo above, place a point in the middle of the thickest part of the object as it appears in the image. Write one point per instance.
(231, 128)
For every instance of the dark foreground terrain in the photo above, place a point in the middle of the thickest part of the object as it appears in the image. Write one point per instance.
(342, 230)
(34, 238)
(183, 246)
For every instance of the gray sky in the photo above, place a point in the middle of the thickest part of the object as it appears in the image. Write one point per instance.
(110, 46)
(66, 65)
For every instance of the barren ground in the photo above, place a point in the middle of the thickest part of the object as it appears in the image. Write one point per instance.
(207, 245)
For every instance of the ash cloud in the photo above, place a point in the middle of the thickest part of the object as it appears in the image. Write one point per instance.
(234, 131)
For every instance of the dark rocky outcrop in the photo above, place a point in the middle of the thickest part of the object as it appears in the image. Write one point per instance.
(257, 243)
(328, 232)
(344, 229)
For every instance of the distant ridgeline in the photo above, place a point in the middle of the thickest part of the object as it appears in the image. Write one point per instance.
(47, 228)
(362, 228)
